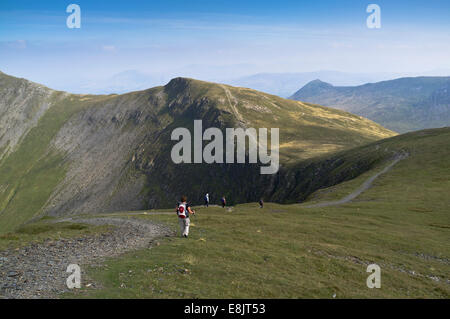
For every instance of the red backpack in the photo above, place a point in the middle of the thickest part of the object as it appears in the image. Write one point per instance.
(182, 210)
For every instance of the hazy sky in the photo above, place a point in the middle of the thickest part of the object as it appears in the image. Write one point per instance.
(218, 39)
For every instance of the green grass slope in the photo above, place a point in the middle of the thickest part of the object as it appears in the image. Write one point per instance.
(306, 130)
(401, 223)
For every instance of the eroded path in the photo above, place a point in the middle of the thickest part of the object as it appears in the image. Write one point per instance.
(39, 270)
(365, 186)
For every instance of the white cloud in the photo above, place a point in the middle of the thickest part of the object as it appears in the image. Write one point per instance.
(109, 48)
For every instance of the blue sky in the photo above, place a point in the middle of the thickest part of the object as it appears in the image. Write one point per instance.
(216, 40)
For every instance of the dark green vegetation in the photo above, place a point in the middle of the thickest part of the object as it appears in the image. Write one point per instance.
(401, 105)
(402, 224)
(95, 154)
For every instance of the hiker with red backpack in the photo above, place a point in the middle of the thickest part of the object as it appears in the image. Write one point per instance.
(183, 211)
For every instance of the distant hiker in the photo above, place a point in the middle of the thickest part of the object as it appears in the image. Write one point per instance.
(207, 200)
(223, 201)
(261, 203)
(183, 212)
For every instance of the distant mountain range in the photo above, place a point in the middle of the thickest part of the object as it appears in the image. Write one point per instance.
(281, 84)
(285, 84)
(402, 105)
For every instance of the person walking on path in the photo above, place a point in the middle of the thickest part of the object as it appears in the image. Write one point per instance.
(224, 201)
(207, 200)
(183, 212)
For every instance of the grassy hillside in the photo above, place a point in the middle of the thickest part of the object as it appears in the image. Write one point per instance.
(427, 166)
(402, 105)
(305, 130)
(87, 154)
(402, 224)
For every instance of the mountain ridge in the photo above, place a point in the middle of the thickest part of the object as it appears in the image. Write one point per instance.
(89, 153)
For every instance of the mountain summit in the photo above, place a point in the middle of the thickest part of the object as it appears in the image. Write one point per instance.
(316, 87)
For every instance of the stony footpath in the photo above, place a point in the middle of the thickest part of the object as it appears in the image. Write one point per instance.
(39, 270)
(365, 186)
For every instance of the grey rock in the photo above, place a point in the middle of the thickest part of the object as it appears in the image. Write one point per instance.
(43, 269)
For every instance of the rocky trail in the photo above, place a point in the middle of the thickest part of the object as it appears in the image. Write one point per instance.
(39, 270)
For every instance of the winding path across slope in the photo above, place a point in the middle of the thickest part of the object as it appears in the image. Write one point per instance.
(365, 186)
(39, 270)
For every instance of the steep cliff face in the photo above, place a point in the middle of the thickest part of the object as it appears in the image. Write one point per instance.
(22, 103)
(86, 153)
